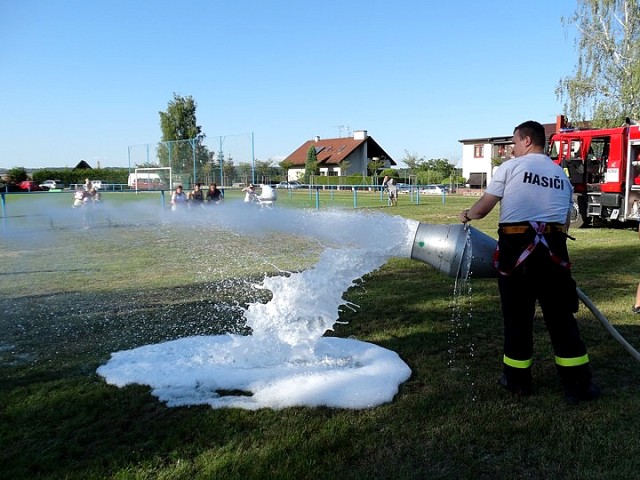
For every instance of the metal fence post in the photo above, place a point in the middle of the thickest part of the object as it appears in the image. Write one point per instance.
(4, 210)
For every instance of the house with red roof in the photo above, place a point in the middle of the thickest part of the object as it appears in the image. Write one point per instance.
(339, 156)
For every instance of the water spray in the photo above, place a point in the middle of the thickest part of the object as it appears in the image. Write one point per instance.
(445, 247)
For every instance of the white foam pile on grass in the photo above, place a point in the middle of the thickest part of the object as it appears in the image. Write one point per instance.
(286, 361)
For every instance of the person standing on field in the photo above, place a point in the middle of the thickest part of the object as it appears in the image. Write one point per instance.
(533, 264)
(392, 190)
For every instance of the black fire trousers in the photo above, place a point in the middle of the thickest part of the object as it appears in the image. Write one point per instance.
(540, 278)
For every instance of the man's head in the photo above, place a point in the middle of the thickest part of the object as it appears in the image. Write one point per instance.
(528, 137)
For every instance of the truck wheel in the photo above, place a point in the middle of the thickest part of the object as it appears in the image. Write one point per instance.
(579, 216)
(576, 219)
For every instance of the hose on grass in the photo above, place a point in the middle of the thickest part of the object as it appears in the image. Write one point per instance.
(614, 333)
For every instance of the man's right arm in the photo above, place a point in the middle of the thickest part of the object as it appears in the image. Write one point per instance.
(480, 209)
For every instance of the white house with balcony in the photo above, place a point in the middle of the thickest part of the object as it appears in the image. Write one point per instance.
(481, 156)
(478, 155)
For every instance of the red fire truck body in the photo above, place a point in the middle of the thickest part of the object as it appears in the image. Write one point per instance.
(604, 168)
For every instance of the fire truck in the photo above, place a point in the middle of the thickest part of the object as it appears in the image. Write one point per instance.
(603, 166)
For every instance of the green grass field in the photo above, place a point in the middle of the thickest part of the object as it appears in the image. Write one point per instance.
(69, 297)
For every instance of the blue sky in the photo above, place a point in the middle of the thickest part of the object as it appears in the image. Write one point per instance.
(84, 80)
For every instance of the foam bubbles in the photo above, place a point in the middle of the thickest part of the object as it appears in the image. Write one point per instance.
(286, 361)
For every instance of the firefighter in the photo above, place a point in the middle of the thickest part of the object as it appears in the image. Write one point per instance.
(533, 264)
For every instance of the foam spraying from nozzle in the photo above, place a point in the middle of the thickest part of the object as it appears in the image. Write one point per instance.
(448, 247)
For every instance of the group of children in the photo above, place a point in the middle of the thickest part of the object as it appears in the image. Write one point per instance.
(180, 199)
(84, 198)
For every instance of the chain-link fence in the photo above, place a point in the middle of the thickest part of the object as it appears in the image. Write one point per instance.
(223, 160)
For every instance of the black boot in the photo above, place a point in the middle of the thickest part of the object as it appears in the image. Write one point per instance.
(577, 392)
(518, 389)
(577, 384)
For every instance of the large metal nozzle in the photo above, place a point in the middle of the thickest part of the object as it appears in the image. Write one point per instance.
(456, 250)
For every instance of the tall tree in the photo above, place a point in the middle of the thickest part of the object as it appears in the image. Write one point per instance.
(182, 138)
(412, 160)
(605, 87)
(179, 121)
(374, 166)
(311, 164)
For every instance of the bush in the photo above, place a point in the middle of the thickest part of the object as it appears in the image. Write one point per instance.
(17, 174)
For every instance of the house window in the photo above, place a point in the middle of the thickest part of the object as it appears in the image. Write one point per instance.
(502, 151)
(509, 152)
(478, 151)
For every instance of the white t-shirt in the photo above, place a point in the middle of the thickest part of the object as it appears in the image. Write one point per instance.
(391, 185)
(532, 188)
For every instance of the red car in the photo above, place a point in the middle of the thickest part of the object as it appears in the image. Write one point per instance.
(30, 186)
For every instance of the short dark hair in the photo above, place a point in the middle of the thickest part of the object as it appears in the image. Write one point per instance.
(533, 130)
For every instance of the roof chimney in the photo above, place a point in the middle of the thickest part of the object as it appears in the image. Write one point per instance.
(317, 138)
(360, 135)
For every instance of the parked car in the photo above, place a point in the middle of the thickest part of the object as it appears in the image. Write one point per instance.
(29, 186)
(431, 190)
(49, 184)
(293, 184)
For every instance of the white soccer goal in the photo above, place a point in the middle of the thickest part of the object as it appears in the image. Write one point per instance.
(157, 178)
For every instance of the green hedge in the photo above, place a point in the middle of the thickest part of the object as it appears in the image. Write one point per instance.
(70, 176)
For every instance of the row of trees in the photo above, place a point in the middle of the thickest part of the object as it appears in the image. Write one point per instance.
(438, 171)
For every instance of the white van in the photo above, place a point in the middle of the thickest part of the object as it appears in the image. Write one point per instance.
(145, 181)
